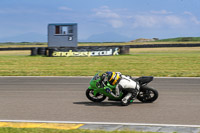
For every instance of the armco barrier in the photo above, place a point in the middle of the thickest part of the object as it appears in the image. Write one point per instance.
(164, 45)
(12, 49)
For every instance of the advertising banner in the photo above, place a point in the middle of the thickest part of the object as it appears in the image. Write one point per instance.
(94, 51)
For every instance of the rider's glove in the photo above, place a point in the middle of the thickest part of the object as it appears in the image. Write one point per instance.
(108, 90)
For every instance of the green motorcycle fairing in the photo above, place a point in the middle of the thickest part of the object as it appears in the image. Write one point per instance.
(96, 87)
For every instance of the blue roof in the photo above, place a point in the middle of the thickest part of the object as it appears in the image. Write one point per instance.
(63, 24)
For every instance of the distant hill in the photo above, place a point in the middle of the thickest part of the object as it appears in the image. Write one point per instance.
(144, 40)
(180, 39)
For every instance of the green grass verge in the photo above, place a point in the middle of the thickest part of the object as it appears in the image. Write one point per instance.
(161, 62)
(42, 130)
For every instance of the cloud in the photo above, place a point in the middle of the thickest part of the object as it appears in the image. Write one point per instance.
(161, 12)
(153, 21)
(172, 20)
(105, 12)
(64, 8)
(116, 23)
(118, 18)
(145, 21)
(109, 16)
(193, 17)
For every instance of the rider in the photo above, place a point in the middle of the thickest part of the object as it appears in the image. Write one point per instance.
(123, 83)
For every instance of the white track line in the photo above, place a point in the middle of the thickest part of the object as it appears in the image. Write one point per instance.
(103, 123)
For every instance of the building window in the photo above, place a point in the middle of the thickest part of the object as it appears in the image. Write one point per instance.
(57, 30)
(63, 30)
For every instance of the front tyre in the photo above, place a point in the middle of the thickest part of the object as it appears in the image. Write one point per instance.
(98, 98)
(147, 94)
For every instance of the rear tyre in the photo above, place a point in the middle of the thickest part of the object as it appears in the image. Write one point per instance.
(98, 98)
(147, 94)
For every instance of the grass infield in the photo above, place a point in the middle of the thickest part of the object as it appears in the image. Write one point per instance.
(42, 130)
(159, 62)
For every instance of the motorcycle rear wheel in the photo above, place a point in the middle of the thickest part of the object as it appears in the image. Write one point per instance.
(147, 94)
(98, 98)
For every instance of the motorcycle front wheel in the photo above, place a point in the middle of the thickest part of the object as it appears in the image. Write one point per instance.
(147, 94)
(98, 98)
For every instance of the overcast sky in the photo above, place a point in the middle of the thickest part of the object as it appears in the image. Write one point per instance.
(124, 19)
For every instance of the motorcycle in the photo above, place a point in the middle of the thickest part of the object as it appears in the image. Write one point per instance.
(96, 92)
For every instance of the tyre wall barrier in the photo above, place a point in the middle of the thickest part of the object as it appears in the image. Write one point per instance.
(42, 51)
(34, 51)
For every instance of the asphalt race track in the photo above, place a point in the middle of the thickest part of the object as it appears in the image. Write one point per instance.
(63, 99)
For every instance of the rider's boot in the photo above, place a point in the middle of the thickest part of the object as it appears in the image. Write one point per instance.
(125, 100)
(134, 94)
